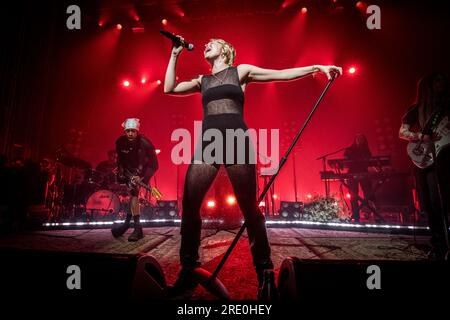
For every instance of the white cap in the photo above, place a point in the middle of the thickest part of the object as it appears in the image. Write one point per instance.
(131, 123)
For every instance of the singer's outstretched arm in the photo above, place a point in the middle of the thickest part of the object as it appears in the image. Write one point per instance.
(252, 73)
(170, 84)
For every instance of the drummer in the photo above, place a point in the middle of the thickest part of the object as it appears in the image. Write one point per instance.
(108, 168)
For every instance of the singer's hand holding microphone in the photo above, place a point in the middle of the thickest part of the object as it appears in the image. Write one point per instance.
(177, 47)
(178, 42)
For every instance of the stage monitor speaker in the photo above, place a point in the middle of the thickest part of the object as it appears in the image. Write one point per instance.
(291, 210)
(166, 209)
(80, 277)
(348, 281)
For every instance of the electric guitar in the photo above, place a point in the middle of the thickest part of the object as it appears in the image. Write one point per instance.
(153, 190)
(421, 152)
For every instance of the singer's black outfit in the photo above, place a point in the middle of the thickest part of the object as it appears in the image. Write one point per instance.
(223, 101)
(428, 184)
(359, 154)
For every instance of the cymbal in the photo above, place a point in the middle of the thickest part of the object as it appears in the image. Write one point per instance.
(72, 161)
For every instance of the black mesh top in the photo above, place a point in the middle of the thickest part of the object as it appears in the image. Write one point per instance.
(222, 93)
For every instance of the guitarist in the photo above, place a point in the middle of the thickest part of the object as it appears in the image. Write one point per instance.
(107, 169)
(136, 162)
(432, 94)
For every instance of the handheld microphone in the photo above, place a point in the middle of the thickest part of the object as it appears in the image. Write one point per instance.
(177, 40)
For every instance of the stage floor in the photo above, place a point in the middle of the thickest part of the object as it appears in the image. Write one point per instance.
(238, 275)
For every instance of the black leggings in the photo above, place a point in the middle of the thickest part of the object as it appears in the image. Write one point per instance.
(199, 178)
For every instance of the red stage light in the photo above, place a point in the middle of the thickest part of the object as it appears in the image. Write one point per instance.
(100, 23)
(136, 18)
(304, 10)
(348, 196)
(126, 83)
(164, 22)
(143, 80)
(119, 26)
(157, 151)
(262, 204)
(275, 196)
(211, 204)
(231, 200)
(309, 196)
(158, 82)
(352, 70)
(361, 5)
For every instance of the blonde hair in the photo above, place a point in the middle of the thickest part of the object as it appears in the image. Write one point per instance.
(227, 50)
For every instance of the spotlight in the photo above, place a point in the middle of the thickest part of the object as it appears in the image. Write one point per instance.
(348, 195)
(158, 82)
(165, 209)
(211, 204)
(231, 200)
(352, 70)
(157, 151)
(119, 26)
(362, 6)
(262, 204)
(309, 196)
(126, 83)
(304, 10)
(164, 22)
(275, 196)
(291, 210)
(143, 80)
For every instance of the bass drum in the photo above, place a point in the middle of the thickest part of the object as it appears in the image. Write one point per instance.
(103, 204)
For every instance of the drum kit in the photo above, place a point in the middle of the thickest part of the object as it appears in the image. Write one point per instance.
(76, 192)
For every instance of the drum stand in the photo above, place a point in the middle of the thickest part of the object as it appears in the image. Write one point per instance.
(56, 196)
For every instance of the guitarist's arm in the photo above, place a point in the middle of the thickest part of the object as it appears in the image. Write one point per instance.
(409, 120)
(406, 134)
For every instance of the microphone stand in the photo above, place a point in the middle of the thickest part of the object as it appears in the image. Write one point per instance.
(324, 165)
(212, 283)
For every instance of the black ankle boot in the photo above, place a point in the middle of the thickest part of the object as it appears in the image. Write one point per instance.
(137, 234)
(119, 229)
(267, 290)
(184, 285)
